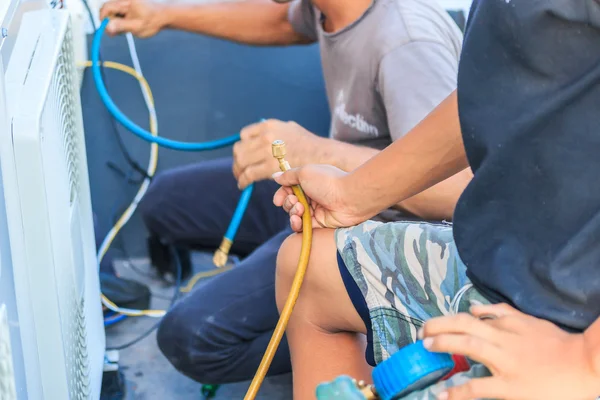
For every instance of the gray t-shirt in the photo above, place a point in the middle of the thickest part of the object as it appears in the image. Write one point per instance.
(386, 71)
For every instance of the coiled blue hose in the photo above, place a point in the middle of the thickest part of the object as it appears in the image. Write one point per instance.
(132, 126)
(163, 142)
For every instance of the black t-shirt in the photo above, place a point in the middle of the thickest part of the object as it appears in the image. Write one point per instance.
(528, 225)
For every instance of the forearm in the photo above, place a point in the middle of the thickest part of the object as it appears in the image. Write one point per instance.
(345, 156)
(432, 152)
(439, 201)
(256, 22)
(435, 203)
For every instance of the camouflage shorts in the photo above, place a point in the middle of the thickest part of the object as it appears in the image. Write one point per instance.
(400, 274)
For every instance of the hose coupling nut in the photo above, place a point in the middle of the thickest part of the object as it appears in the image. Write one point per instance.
(366, 390)
(278, 150)
(222, 253)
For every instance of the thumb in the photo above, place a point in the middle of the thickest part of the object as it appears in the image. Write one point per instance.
(120, 25)
(493, 310)
(288, 178)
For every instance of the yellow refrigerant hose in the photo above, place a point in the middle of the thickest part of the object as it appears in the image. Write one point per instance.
(278, 148)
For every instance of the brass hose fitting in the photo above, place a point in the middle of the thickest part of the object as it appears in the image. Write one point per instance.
(222, 254)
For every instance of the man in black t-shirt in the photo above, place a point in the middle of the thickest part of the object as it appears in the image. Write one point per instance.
(524, 245)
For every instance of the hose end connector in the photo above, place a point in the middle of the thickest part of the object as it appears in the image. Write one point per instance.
(278, 150)
(222, 253)
(344, 387)
(367, 390)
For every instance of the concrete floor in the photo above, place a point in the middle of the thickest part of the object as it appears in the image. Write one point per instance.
(148, 374)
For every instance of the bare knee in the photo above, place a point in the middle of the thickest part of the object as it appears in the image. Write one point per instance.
(319, 267)
(287, 260)
(323, 300)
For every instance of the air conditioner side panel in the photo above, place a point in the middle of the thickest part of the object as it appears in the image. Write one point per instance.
(27, 325)
(8, 284)
(93, 307)
(56, 240)
(39, 256)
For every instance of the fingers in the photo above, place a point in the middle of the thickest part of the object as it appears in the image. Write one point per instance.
(285, 198)
(289, 204)
(249, 175)
(114, 8)
(116, 26)
(253, 150)
(253, 130)
(292, 205)
(461, 324)
(246, 153)
(281, 195)
(511, 324)
(253, 173)
(479, 388)
(505, 317)
(473, 347)
(260, 128)
(297, 209)
(296, 223)
(290, 177)
(236, 169)
(496, 310)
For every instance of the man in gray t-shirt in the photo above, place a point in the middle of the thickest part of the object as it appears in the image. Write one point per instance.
(385, 71)
(386, 64)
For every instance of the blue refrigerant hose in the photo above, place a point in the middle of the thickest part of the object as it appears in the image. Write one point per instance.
(109, 321)
(163, 142)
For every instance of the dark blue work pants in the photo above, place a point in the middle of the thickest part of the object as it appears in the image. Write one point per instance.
(219, 332)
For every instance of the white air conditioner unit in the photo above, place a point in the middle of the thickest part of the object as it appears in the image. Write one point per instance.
(78, 6)
(49, 217)
(12, 374)
(81, 26)
(8, 389)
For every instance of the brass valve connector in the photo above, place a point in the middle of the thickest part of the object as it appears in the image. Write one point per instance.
(222, 253)
(278, 149)
(366, 390)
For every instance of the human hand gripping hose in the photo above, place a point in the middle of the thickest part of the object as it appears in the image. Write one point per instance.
(221, 255)
(279, 152)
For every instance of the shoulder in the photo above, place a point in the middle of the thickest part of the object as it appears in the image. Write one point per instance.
(403, 22)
